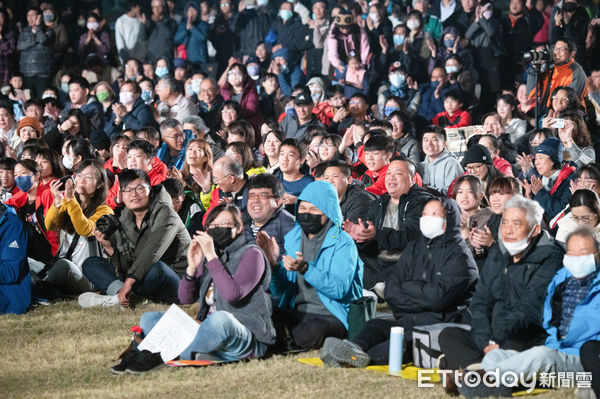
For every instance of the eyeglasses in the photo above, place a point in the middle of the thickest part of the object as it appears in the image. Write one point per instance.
(139, 189)
(222, 224)
(585, 180)
(85, 177)
(216, 181)
(561, 49)
(264, 196)
(474, 168)
(224, 4)
(583, 219)
(563, 99)
(176, 137)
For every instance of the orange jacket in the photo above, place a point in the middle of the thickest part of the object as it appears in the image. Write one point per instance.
(570, 74)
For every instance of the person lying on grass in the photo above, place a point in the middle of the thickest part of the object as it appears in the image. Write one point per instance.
(231, 278)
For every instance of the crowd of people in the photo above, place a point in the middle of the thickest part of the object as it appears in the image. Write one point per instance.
(278, 161)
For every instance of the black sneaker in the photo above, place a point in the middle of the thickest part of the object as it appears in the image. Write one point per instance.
(341, 352)
(126, 358)
(144, 361)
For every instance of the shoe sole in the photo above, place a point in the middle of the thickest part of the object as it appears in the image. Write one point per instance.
(117, 372)
(134, 372)
(326, 356)
(344, 354)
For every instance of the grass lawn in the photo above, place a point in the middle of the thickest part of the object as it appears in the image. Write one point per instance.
(64, 351)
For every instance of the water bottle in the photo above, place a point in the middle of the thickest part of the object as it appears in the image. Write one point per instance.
(396, 342)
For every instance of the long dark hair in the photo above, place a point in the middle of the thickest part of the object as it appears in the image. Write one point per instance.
(97, 199)
(586, 197)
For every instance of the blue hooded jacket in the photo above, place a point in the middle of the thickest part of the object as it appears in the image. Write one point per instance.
(180, 158)
(585, 321)
(15, 280)
(337, 271)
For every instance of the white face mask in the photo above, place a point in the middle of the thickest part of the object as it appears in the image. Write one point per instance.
(515, 248)
(580, 266)
(67, 162)
(374, 17)
(125, 98)
(413, 24)
(93, 25)
(432, 226)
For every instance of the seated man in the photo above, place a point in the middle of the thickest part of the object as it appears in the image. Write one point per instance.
(291, 158)
(15, 280)
(173, 104)
(229, 176)
(199, 130)
(79, 98)
(265, 209)
(320, 272)
(378, 151)
(147, 251)
(295, 126)
(570, 318)
(140, 155)
(439, 168)
(175, 140)
(354, 199)
(392, 221)
(431, 283)
(507, 305)
(7, 178)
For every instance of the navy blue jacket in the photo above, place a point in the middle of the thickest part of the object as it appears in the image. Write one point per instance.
(15, 280)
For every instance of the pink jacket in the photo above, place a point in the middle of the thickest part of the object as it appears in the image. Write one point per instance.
(332, 47)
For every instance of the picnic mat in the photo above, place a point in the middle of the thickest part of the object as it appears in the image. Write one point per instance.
(410, 372)
(194, 363)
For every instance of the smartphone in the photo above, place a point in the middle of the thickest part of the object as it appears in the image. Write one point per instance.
(558, 123)
(63, 182)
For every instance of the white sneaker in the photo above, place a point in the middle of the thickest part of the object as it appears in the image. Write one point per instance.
(370, 294)
(379, 289)
(91, 299)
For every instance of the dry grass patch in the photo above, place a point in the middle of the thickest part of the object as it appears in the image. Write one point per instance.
(64, 351)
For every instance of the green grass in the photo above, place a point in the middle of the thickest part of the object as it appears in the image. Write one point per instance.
(64, 351)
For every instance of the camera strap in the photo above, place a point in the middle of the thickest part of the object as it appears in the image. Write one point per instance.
(71, 249)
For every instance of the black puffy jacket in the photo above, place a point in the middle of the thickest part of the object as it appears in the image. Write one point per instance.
(435, 278)
(36, 52)
(509, 298)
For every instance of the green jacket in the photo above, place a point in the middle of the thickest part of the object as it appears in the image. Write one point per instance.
(162, 237)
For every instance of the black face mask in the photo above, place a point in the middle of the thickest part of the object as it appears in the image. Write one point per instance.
(222, 236)
(311, 224)
(569, 7)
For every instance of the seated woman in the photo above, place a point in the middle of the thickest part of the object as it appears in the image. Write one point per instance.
(236, 323)
(197, 169)
(514, 124)
(576, 139)
(50, 166)
(242, 131)
(76, 124)
(236, 85)
(468, 194)
(28, 128)
(32, 205)
(584, 210)
(478, 161)
(271, 143)
(550, 186)
(77, 205)
(74, 151)
(328, 149)
(243, 155)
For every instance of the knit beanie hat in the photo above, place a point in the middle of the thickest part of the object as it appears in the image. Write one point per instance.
(31, 122)
(551, 147)
(477, 154)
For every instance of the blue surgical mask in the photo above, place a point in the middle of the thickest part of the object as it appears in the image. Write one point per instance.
(161, 71)
(397, 79)
(388, 110)
(285, 15)
(448, 43)
(290, 111)
(451, 69)
(398, 40)
(64, 86)
(188, 133)
(580, 266)
(146, 95)
(24, 183)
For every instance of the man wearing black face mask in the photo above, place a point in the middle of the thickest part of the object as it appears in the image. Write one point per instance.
(320, 272)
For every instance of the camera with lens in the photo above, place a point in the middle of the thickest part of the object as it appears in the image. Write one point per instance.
(107, 225)
(537, 56)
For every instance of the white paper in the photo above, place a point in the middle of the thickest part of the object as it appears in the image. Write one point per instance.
(174, 332)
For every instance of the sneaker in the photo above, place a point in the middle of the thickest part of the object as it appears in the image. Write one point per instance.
(91, 299)
(143, 361)
(344, 352)
(370, 294)
(379, 289)
(126, 358)
(585, 393)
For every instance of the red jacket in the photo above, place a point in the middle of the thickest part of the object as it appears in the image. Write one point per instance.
(157, 175)
(43, 202)
(375, 181)
(459, 119)
(503, 166)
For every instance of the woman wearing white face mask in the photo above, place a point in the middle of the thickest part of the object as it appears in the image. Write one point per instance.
(95, 40)
(130, 112)
(431, 282)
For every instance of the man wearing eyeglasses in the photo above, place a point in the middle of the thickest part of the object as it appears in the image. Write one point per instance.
(266, 216)
(146, 253)
(175, 141)
(566, 72)
(232, 184)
